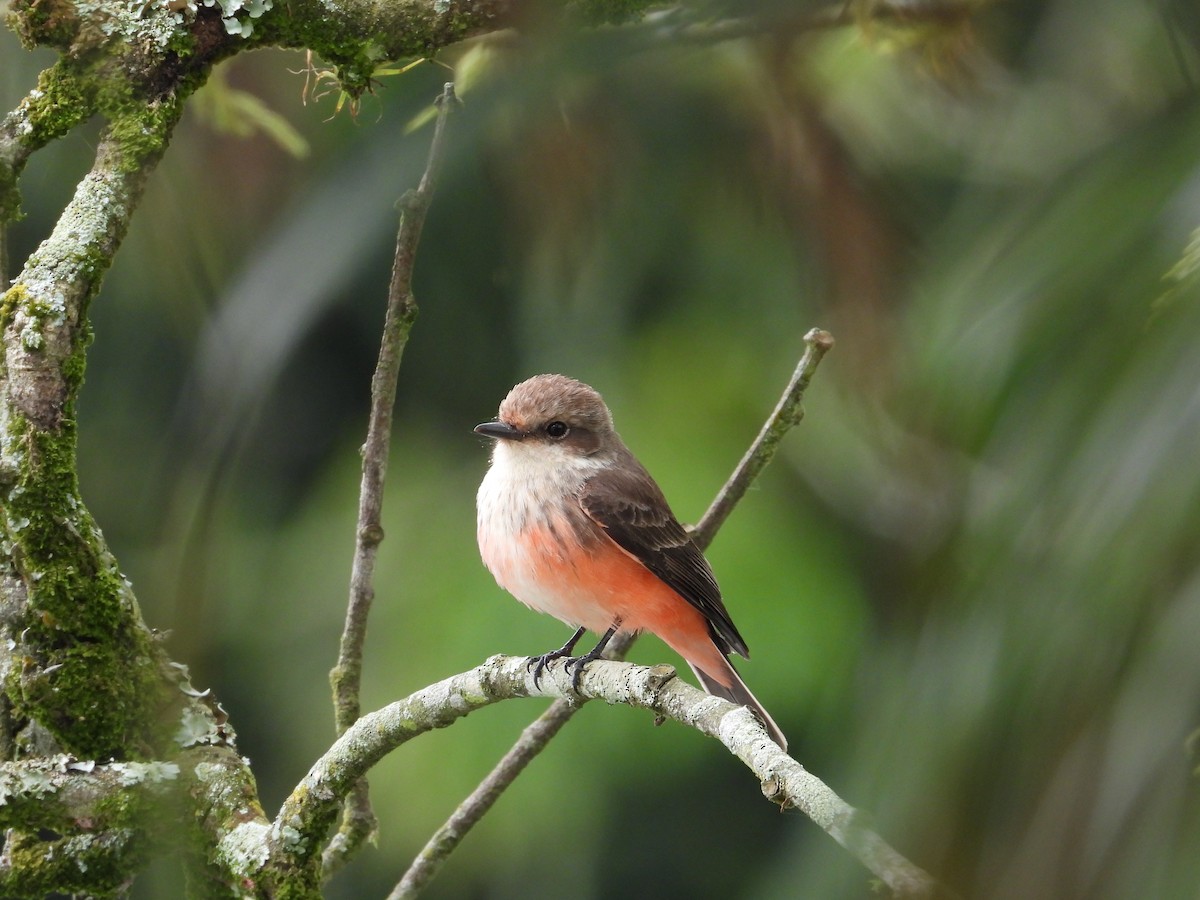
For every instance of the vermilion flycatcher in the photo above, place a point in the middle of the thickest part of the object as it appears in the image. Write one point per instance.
(573, 525)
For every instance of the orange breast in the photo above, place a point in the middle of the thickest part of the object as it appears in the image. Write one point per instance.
(596, 585)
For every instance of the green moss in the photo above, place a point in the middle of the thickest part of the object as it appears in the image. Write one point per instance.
(95, 865)
(351, 56)
(12, 298)
(356, 46)
(140, 127)
(37, 817)
(298, 882)
(64, 102)
(57, 105)
(10, 196)
(88, 672)
(74, 366)
(43, 22)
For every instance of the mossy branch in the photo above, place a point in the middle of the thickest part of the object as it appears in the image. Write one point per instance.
(93, 865)
(90, 673)
(60, 101)
(86, 807)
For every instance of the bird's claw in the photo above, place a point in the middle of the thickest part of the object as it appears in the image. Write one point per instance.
(538, 664)
(573, 666)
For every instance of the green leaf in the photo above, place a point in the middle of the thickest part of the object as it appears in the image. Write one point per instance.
(228, 110)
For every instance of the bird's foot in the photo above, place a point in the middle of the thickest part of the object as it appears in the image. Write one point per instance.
(574, 665)
(539, 663)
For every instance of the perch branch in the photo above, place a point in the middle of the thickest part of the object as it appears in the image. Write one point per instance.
(313, 804)
(358, 822)
(538, 734)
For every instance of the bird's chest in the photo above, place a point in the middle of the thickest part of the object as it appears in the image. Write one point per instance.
(535, 538)
(524, 521)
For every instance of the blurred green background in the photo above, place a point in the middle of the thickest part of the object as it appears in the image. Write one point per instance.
(971, 580)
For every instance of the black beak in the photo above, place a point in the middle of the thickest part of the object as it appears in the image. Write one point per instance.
(499, 430)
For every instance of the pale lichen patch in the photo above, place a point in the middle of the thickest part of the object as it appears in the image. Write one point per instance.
(196, 727)
(244, 848)
(130, 773)
(27, 781)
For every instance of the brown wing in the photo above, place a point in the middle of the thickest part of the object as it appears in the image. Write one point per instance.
(630, 507)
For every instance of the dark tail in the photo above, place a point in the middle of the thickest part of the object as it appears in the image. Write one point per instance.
(737, 692)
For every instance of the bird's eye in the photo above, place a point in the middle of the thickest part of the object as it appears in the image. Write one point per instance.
(557, 429)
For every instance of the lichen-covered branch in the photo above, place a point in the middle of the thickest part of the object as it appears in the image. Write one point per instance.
(313, 805)
(77, 825)
(57, 792)
(358, 35)
(227, 846)
(159, 49)
(59, 103)
(116, 814)
(95, 864)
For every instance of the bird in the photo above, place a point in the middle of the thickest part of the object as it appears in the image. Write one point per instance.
(571, 524)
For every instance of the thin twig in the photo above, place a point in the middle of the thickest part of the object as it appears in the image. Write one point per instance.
(538, 734)
(787, 414)
(358, 821)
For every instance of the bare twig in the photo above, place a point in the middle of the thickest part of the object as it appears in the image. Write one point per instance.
(358, 821)
(537, 735)
(655, 688)
(787, 414)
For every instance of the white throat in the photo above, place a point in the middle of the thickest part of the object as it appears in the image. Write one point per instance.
(526, 479)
